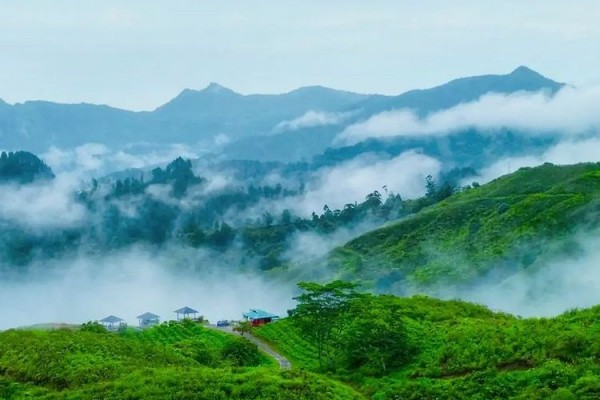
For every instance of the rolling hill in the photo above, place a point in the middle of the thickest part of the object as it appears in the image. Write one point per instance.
(464, 351)
(519, 221)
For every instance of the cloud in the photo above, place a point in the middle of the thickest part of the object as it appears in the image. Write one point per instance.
(99, 159)
(352, 180)
(221, 140)
(45, 205)
(549, 289)
(567, 152)
(135, 280)
(571, 111)
(313, 118)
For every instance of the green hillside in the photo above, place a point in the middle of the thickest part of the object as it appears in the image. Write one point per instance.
(514, 222)
(464, 351)
(174, 361)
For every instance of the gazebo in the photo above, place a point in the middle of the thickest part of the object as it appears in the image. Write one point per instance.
(185, 312)
(148, 319)
(112, 323)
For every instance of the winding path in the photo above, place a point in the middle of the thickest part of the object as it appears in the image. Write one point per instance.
(283, 362)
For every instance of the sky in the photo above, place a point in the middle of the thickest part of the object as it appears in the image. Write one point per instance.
(138, 54)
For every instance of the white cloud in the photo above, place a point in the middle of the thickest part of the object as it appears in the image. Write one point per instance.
(135, 280)
(548, 290)
(564, 153)
(221, 140)
(351, 181)
(96, 158)
(45, 205)
(571, 111)
(311, 119)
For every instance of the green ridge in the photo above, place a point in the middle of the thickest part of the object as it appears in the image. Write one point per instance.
(517, 221)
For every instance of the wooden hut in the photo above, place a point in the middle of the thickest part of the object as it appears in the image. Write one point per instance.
(148, 319)
(186, 313)
(259, 317)
(112, 323)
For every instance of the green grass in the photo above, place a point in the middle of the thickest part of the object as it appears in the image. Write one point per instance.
(466, 351)
(175, 361)
(287, 340)
(515, 222)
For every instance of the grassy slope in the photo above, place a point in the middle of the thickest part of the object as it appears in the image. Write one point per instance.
(169, 361)
(466, 351)
(512, 222)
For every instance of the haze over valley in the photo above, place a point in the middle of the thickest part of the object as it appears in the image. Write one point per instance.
(386, 202)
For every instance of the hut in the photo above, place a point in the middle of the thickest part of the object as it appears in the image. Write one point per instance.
(259, 317)
(186, 313)
(148, 319)
(112, 323)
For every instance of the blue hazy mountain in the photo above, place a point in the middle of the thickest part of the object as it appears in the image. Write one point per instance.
(462, 90)
(247, 125)
(307, 142)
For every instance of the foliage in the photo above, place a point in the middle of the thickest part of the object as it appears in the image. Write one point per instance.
(518, 221)
(374, 337)
(454, 349)
(243, 327)
(22, 167)
(172, 360)
(319, 315)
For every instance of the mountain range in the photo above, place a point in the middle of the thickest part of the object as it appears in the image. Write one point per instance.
(285, 127)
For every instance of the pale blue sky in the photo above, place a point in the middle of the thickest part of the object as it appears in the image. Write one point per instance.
(138, 54)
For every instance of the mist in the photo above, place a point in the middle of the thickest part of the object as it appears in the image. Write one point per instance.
(131, 281)
(570, 111)
(353, 180)
(570, 151)
(313, 118)
(100, 159)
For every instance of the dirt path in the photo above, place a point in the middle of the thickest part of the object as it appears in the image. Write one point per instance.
(283, 362)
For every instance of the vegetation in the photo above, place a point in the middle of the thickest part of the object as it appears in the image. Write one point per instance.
(453, 349)
(172, 360)
(22, 167)
(174, 206)
(383, 347)
(515, 222)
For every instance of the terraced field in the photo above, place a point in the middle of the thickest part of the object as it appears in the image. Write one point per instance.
(286, 339)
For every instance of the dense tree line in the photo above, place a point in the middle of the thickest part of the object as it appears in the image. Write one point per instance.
(22, 167)
(172, 205)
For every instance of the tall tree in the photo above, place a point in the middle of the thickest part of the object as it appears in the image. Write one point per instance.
(319, 313)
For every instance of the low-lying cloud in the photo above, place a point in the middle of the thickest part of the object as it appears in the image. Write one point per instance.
(130, 282)
(43, 205)
(550, 289)
(571, 111)
(311, 119)
(566, 152)
(99, 159)
(353, 180)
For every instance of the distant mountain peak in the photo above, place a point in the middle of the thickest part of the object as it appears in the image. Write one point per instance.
(524, 70)
(214, 87)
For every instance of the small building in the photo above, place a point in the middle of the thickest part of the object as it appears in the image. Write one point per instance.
(259, 317)
(186, 313)
(113, 323)
(148, 319)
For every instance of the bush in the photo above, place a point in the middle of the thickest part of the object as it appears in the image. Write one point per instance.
(241, 353)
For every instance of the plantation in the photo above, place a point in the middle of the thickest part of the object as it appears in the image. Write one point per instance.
(461, 350)
(518, 221)
(177, 361)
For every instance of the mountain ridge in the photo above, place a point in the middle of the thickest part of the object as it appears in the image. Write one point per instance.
(197, 117)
